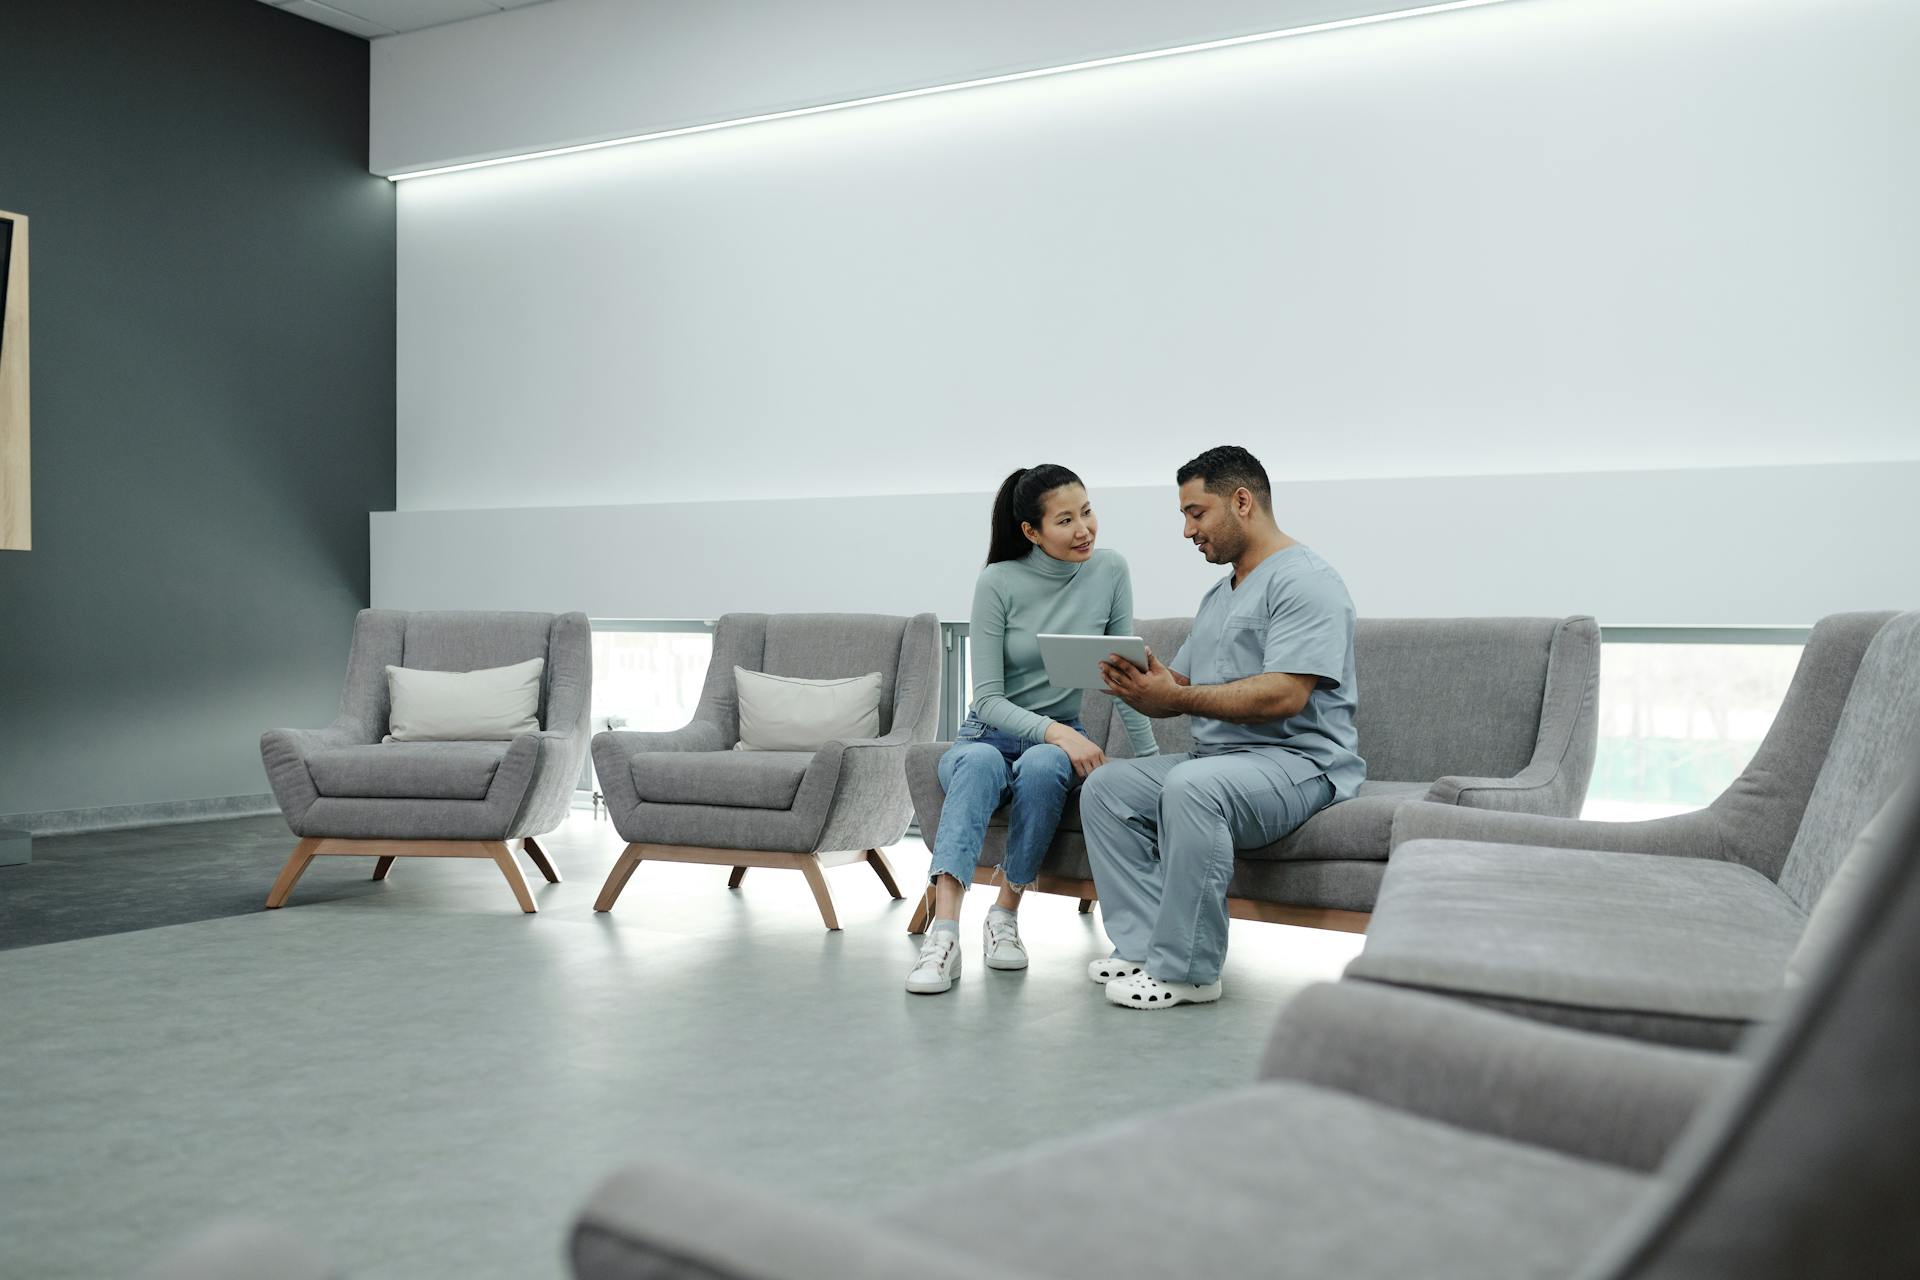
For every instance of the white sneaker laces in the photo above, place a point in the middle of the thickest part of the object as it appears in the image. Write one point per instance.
(939, 945)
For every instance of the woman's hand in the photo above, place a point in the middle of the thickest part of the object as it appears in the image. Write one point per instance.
(1081, 753)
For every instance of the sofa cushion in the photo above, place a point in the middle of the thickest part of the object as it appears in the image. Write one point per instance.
(1282, 1179)
(407, 770)
(736, 779)
(1584, 937)
(1356, 828)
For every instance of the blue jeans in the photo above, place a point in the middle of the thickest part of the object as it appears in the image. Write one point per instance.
(983, 768)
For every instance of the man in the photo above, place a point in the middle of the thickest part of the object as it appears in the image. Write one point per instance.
(1267, 676)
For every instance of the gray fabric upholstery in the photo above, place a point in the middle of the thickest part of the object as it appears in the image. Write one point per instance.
(1573, 931)
(407, 770)
(850, 795)
(1494, 1074)
(1799, 1159)
(1754, 822)
(746, 779)
(1844, 898)
(1878, 732)
(1522, 690)
(1277, 1179)
(1683, 936)
(1808, 1167)
(329, 783)
(655, 1223)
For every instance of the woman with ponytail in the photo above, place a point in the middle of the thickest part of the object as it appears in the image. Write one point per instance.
(1023, 739)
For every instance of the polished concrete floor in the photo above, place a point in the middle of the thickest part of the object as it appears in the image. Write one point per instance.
(424, 1082)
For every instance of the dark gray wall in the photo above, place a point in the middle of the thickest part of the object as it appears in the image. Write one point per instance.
(213, 391)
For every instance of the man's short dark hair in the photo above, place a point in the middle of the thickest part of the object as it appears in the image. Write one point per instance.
(1227, 467)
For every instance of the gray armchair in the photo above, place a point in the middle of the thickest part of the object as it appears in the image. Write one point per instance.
(1480, 713)
(346, 793)
(1396, 1134)
(686, 796)
(1679, 929)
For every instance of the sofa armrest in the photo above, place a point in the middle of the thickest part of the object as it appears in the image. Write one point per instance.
(1684, 835)
(655, 1223)
(1596, 1097)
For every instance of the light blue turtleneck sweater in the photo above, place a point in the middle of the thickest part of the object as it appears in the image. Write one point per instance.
(1015, 601)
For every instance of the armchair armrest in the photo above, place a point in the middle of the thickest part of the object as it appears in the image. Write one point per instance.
(1591, 1096)
(614, 750)
(284, 752)
(649, 1222)
(700, 735)
(858, 788)
(1685, 835)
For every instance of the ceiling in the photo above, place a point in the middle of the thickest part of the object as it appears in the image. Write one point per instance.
(375, 18)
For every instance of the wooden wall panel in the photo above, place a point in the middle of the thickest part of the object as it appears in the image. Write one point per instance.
(16, 480)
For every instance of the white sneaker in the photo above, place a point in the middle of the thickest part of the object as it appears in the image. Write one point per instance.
(938, 965)
(1105, 971)
(1142, 992)
(1000, 942)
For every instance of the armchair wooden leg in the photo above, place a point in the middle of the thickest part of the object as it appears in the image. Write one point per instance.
(739, 874)
(922, 913)
(290, 874)
(884, 869)
(1086, 905)
(539, 858)
(503, 858)
(381, 866)
(810, 868)
(617, 878)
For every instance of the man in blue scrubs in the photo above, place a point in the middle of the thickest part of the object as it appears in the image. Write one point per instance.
(1267, 677)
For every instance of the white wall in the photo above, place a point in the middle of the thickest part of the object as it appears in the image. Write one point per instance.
(1734, 547)
(575, 71)
(1593, 239)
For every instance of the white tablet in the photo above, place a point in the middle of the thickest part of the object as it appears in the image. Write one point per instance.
(1073, 662)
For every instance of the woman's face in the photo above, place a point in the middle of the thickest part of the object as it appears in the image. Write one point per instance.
(1067, 526)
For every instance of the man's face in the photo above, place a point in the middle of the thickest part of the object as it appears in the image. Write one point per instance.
(1212, 525)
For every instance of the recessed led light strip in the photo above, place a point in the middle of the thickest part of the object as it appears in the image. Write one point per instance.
(904, 94)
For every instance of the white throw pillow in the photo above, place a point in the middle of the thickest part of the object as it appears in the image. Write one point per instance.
(786, 713)
(464, 706)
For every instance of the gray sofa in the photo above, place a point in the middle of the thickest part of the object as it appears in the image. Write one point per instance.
(1396, 1134)
(1483, 713)
(1679, 929)
(687, 796)
(346, 793)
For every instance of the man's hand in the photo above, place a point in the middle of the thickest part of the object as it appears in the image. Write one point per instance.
(1155, 692)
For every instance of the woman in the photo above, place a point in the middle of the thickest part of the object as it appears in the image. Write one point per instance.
(1023, 738)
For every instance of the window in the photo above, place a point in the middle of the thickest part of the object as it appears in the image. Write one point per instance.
(1682, 711)
(648, 675)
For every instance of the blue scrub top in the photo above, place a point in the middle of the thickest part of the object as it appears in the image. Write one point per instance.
(1292, 614)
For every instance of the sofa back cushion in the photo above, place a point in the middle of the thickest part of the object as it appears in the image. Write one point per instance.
(1438, 696)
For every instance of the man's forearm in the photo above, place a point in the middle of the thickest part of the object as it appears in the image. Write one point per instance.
(1255, 700)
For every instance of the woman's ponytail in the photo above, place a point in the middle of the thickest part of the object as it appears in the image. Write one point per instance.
(1020, 502)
